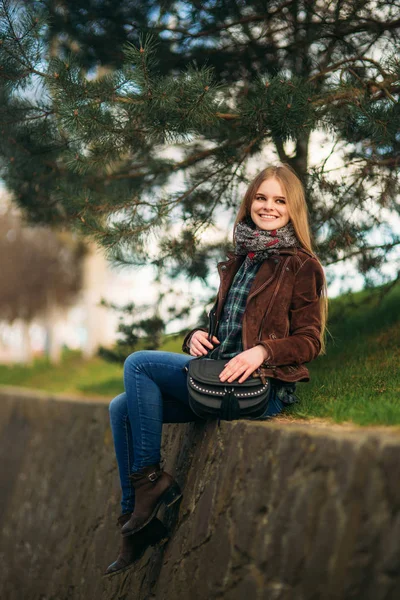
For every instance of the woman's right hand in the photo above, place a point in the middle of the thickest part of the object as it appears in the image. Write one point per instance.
(199, 343)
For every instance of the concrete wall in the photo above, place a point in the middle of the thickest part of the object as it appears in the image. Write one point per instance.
(276, 510)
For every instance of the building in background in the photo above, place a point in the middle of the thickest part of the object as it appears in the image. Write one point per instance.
(86, 325)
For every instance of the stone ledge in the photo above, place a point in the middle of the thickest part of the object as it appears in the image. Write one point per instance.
(271, 510)
(13, 391)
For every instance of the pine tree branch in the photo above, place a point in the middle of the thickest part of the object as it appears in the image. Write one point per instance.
(362, 250)
(44, 114)
(245, 152)
(363, 25)
(223, 27)
(392, 162)
(27, 65)
(372, 25)
(196, 185)
(341, 201)
(187, 162)
(30, 70)
(6, 5)
(339, 98)
(326, 100)
(387, 80)
(227, 116)
(333, 67)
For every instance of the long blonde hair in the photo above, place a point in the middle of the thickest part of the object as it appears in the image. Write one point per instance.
(299, 216)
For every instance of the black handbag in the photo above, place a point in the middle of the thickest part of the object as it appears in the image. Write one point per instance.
(211, 398)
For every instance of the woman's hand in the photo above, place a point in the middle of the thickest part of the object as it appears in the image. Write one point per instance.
(199, 343)
(244, 364)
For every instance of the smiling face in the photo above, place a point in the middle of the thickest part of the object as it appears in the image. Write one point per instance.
(269, 208)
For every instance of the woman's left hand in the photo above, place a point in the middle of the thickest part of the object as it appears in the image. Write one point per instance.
(244, 364)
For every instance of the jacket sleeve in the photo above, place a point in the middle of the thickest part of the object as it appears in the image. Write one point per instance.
(186, 341)
(303, 343)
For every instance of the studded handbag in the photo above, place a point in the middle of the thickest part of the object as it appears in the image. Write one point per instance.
(211, 398)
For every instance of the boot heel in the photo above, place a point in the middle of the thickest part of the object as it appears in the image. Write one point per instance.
(173, 494)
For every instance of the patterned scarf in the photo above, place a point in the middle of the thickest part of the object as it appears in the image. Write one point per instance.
(259, 244)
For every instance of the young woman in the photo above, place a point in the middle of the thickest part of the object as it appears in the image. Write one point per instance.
(269, 318)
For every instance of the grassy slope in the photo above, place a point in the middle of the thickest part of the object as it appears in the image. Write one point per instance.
(358, 379)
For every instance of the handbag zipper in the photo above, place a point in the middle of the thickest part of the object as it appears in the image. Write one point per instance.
(273, 297)
(256, 292)
(262, 377)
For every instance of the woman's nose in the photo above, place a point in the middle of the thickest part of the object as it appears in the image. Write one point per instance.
(268, 203)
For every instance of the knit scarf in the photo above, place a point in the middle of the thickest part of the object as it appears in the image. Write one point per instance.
(259, 244)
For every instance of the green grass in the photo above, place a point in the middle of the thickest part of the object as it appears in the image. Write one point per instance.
(74, 375)
(358, 380)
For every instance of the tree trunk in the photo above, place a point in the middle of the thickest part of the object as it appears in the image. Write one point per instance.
(25, 354)
(53, 343)
(94, 282)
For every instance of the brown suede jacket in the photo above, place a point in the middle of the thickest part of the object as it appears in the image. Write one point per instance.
(282, 311)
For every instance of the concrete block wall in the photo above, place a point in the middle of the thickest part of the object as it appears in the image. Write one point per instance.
(271, 511)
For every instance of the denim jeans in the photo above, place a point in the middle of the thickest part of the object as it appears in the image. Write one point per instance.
(155, 393)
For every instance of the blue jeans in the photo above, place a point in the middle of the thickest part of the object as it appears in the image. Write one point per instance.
(155, 393)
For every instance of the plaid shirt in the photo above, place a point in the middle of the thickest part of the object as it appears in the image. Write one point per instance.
(230, 327)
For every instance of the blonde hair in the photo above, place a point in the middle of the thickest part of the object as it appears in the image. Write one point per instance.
(298, 214)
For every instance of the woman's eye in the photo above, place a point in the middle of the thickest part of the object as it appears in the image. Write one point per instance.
(281, 200)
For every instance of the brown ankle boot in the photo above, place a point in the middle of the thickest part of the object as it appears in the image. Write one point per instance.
(133, 547)
(153, 487)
